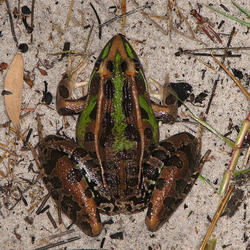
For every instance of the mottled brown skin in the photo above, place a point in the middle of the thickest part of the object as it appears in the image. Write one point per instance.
(90, 177)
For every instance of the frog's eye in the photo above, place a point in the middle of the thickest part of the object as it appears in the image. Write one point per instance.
(137, 64)
(97, 64)
(110, 66)
(124, 66)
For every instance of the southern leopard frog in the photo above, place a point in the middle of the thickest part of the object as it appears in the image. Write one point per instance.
(117, 164)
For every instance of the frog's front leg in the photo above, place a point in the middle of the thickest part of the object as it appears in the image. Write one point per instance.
(180, 156)
(66, 182)
(65, 104)
(166, 111)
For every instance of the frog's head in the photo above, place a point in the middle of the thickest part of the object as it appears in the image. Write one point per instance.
(118, 57)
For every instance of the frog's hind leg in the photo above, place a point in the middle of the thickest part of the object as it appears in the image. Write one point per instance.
(179, 155)
(67, 184)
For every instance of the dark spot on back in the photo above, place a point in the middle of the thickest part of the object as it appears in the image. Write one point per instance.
(78, 154)
(55, 195)
(88, 192)
(93, 113)
(150, 172)
(89, 136)
(45, 180)
(109, 89)
(106, 139)
(168, 146)
(140, 84)
(107, 121)
(148, 133)
(180, 185)
(159, 154)
(74, 175)
(132, 133)
(132, 182)
(160, 184)
(51, 162)
(93, 154)
(127, 103)
(175, 161)
(94, 86)
(132, 169)
(56, 182)
(144, 114)
(169, 202)
(111, 179)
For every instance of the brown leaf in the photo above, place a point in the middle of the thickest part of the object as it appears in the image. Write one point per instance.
(14, 84)
(42, 71)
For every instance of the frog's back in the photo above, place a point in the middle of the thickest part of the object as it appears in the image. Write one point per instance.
(118, 127)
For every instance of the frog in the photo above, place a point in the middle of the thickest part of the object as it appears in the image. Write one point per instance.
(117, 164)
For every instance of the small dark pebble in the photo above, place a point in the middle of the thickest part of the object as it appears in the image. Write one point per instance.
(27, 27)
(23, 47)
(33, 239)
(226, 245)
(236, 127)
(117, 236)
(185, 206)
(224, 7)
(245, 239)
(220, 24)
(237, 73)
(234, 203)
(108, 222)
(209, 219)
(66, 47)
(152, 236)
(201, 97)
(29, 220)
(102, 242)
(182, 89)
(86, 26)
(47, 98)
(25, 10)
(216, 181)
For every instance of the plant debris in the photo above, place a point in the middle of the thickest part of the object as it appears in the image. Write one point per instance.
(14, 83)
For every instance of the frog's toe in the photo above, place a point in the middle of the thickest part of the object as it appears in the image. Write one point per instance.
(90, 227)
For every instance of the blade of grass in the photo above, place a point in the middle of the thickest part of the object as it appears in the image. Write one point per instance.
(229, 16)
(241, 9)
(241, 172)
(203, 123)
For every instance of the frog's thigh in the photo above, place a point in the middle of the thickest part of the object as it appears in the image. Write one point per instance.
(70, 190)
(180, 157)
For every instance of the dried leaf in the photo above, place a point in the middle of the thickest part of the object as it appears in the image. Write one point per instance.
(42, 71)
(27, 79)
(14, 84)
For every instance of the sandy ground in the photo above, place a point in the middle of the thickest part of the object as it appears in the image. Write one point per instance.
(187, 227)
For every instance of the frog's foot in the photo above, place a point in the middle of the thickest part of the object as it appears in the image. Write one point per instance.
(65, 104)
(165, 109)
(67, 183)
(180, 158)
